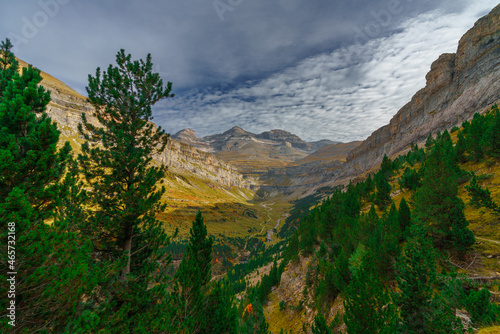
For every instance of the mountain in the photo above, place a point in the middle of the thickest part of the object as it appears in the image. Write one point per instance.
(188, 136)
(196, 179)
(242, 149)
(306, 175)
(458, 85)
(67, 105)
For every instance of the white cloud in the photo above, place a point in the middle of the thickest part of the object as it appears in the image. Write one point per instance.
(343, 95)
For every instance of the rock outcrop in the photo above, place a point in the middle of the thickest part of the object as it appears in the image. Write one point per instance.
(66, 107)
(458, 85)
(181, 157)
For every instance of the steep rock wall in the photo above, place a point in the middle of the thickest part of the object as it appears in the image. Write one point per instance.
(67, 106)
(458, 85)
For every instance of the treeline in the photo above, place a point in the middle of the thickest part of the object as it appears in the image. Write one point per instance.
(390, 263)
(89, 252)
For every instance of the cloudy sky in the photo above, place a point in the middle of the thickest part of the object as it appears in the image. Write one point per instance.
(322, 69)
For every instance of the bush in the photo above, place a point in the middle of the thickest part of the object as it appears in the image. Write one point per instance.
(480, 308)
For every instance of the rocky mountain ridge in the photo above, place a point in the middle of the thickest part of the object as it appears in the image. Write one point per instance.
(66, 107)
(241, 147)
(458, 85)
(236, 137)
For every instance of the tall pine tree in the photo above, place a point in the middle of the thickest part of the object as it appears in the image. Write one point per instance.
(192, 276)
(368, 305)
(437, 204)
(124, 197)
(404, 216)
(422, 310)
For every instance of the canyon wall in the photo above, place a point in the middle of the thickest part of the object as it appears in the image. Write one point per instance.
(458, 85)
(66, 107)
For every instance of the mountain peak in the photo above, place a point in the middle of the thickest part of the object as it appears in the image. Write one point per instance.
(236, 129)
(185, 132)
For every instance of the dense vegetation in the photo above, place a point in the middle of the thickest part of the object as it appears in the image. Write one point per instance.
(391, 265)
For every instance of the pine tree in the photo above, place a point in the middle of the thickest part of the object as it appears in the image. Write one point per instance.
(475, 136)
(116, 162)
(200, 248)
(341, 274)
(368, 305)
(369, 185)
(422, 310)
(320, 326)
(221, 313)
(392, 225)
(404, 216)
(384, 243)
(386, 168)
(480, 197)
(383, 194)
(461, 147)
(254, 320)
(416, 276)
(292, 251)
(51, 260)
(410, 179)
(437, 204)
(192, 276)
(492, 136)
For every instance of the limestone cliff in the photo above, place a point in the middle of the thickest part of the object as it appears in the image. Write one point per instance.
(458, 85)
(66, 107)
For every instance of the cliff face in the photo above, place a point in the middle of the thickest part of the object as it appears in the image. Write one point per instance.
(67, 106)
(458, 85)
(181, 157)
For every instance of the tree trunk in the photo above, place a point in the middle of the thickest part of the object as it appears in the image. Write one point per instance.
(127, 247)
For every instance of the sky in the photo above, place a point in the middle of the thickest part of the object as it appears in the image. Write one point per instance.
(321, 69)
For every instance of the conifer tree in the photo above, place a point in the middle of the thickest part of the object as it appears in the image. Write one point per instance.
(368, 305)
(461, 147)
(192, 276)
(404, 216)
(292, 251)
(254, 321)
(492, 136)
(51, 261)
(221, 313)
(369, 185)
(475, 134)
(392, 225)
(320, 326)
(416, 276)
(341, 274)
(383, 194)
(116, 162)
(410, 179)
(386, 167)
(422, 310)
(437, 204)
(479, 196)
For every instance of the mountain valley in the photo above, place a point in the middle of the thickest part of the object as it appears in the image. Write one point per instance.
(312, 236)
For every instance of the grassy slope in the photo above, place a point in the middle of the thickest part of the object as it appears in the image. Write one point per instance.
(55, 84)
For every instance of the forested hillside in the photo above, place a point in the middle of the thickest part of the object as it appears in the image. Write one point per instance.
(408, 263)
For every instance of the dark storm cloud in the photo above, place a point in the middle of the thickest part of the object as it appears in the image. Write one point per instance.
(259, 64)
